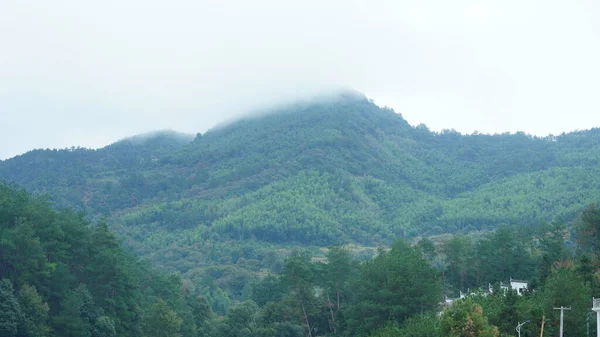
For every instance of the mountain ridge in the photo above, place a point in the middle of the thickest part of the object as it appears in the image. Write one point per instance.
(316, 173)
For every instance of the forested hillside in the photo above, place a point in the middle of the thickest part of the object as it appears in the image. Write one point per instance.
(61, 275)
(243, 214)
(225, 207)
(330, 171)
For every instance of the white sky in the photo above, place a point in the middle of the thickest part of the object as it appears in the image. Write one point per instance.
(91, 72)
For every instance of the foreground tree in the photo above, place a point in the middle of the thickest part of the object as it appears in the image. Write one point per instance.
(162, 321)
(458, 252)
(298, 276)
(241, 318)
(334, 277)
(392, 287)
(71, 322)
(466, 319)
(35, 312)
(422, 325)
(104, 327)
(565, 288)
(588, 229)
(10, 311)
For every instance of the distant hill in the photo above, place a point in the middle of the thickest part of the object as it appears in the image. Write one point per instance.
(316, 173)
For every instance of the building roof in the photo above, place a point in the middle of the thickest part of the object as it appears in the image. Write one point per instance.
(518, 281)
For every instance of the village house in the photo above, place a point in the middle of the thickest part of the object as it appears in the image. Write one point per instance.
(519, 285)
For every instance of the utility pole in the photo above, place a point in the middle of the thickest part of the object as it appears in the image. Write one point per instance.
(562, 311)
(596, 308)
(587, 323)
(519, 325)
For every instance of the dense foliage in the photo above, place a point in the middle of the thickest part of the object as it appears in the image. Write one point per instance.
(333, 171)
(62, 276)
(326, 172)
(399, 293)
(228, 210)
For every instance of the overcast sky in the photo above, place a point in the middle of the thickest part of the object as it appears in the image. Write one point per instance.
(91, 72)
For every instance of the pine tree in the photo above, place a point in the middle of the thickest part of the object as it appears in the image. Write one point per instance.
(35, 313)
(104, 327)
(73, 319)
(10, 310)
(162, 321)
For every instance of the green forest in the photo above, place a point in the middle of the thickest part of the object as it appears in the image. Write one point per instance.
(319, 218)
(62, 275)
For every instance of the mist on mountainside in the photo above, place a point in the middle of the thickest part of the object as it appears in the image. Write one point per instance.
(296, 103)
(302, 168)
(300, 204)
(141, 139)
(325, 168)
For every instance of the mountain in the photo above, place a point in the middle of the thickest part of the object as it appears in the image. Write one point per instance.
(312, 173)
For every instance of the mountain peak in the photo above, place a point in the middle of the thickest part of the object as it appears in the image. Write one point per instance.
(145, 138)
(337, 166)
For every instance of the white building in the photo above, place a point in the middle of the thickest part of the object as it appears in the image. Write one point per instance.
(519, 285)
